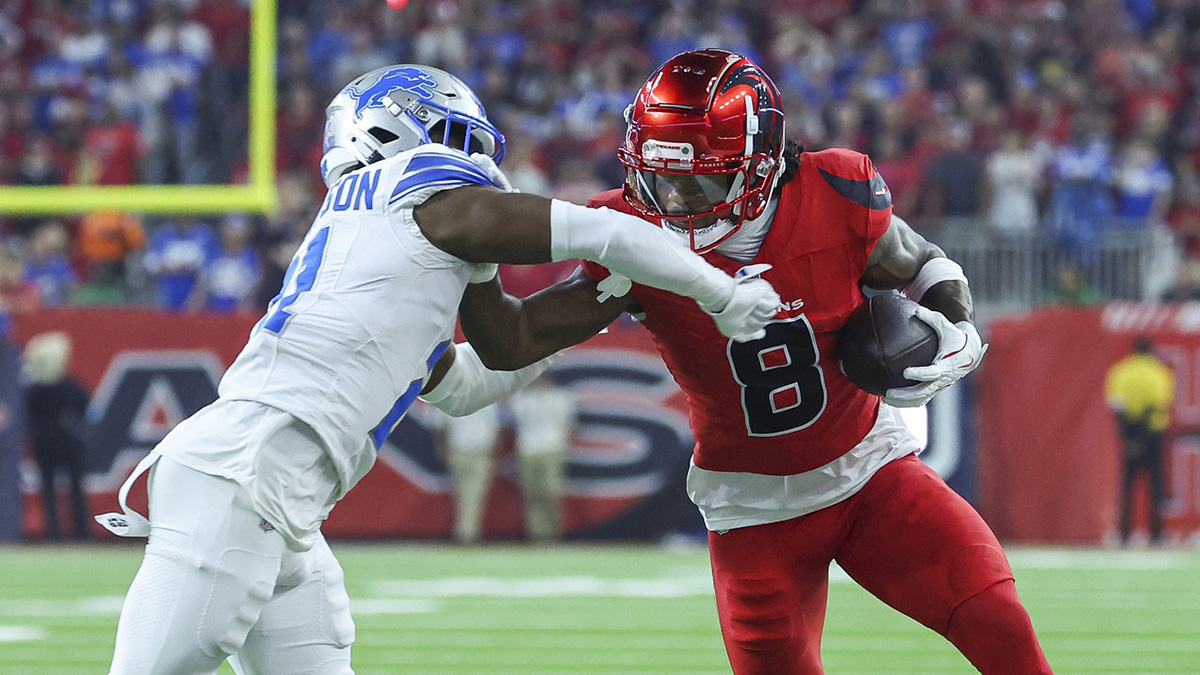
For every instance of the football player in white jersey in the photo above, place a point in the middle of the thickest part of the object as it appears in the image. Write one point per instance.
(236, 567)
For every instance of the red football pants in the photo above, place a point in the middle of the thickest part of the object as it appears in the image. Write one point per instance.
(908, 539)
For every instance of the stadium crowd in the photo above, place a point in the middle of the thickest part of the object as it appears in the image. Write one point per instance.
(1018, 116)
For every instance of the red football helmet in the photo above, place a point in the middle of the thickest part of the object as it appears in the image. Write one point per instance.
(704, 146)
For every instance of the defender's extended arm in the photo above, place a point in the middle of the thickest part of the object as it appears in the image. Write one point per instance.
(510, 333)
(480, 224)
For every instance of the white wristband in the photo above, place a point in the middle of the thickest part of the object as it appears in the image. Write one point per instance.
(469, 385)
(934, 271)
(634, 248)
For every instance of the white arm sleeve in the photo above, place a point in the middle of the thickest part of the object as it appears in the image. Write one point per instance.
(469, 385)
(631, 247)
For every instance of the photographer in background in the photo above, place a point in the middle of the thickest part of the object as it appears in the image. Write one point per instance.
(1140, 389)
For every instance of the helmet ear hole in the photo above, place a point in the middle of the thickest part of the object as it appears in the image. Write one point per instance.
(382, 135)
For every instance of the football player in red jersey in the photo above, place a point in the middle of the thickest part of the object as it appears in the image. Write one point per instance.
(794, 466)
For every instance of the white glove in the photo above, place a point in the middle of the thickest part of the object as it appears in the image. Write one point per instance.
(489, 167)
(753, 304)
(959, 352)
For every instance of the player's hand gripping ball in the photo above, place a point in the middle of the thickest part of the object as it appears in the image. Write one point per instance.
(907, 353)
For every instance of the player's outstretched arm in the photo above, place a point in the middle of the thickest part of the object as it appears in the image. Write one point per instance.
(510, 333)
(512, 341)
(904, 259)
(480, 224)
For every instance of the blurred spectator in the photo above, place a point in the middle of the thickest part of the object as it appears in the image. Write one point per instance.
(299, 124)
(176, 53)
(469, 446)
(544, 414)
(1014, 174)
(954, 180)
(1072, 288)
(110, 245)
(49, 266)
(111, 151)
(442, 43)
(902, 171)
(17, 294)
(577, 181)
(230, 279)
(1187, 282)
(363, 57)
(908, 32)
(1143, 185)
(1140, 390)
(676, 32)
(327, 44)
(176, 256)
(1080, 203)
(105, 285)
(56, 407)
(521, 168)
(282, 232)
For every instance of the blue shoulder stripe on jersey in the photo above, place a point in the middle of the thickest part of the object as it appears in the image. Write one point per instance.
(425, 170)
(423, 181)
(435, 159)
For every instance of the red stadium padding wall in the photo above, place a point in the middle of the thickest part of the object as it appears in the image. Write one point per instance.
(1049, 456)
(625, 473)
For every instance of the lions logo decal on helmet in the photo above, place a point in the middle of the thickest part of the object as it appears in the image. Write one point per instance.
(407, 79)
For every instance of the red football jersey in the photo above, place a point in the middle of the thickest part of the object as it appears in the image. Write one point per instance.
(780, 405)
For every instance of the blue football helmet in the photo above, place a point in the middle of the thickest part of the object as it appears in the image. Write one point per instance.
(398, 108)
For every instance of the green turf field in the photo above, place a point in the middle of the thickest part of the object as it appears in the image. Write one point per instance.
(444, 610)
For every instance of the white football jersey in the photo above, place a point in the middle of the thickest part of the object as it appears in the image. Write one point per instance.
(368, 305)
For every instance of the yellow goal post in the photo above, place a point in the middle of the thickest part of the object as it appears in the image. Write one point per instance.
(257, 196)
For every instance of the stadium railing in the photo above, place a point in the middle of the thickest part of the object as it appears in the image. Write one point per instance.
(1015, 272)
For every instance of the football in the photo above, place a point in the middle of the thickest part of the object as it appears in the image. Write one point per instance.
(881, 338)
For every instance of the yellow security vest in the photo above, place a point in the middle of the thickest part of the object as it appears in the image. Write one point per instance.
(1141, 388)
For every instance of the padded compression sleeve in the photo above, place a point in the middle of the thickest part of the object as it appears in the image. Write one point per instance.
(469, 385)
(631, 247)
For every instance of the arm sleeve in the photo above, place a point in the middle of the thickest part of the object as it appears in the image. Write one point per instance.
(629, 246)
(469, 386)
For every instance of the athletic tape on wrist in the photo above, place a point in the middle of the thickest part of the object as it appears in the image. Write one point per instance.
(933, 272)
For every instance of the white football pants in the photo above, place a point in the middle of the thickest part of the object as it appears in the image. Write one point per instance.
(218, 582)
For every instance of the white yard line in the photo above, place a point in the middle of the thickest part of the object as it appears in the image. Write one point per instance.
(1102, 560)
(22, 633)
(544, 587)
